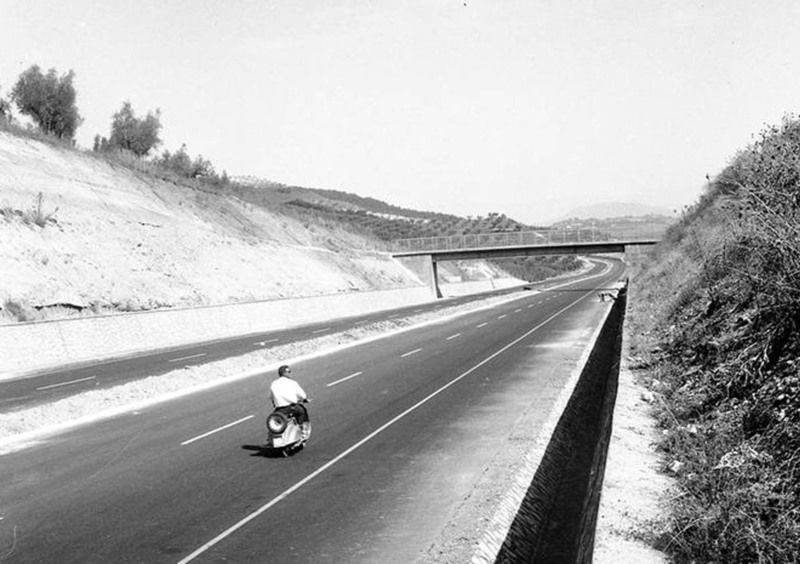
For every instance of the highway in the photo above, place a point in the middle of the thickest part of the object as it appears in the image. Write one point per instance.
(403, 429)
(50, 385)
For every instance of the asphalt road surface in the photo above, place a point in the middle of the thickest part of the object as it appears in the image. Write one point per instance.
(403, 428)
(50, 385)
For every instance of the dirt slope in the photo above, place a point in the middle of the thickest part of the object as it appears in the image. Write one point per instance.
(118, 240)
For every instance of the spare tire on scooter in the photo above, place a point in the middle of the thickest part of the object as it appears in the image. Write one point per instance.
(276, 422)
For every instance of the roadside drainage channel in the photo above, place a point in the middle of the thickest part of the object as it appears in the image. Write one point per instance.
(558, 514)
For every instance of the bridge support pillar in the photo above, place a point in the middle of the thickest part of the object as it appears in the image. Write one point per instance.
(426, 269)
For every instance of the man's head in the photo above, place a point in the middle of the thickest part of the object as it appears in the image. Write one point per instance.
(284, 370)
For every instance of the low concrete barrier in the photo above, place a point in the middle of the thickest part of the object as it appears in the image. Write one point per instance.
(36, 346)
(556, 520)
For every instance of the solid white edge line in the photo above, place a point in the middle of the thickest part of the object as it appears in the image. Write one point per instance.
(217, 430)
(198, 355)
(65, 383)
(232, 529)
(359, 373)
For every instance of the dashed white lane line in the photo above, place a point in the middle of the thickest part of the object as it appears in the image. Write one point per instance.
(217, 430)
(484, 324)
(451, 337)
(65, 383)
(501, 316)
(530, 306)
(339, 381)
(519, 309)
(198, 355)
(321, 330)
(262, 343)
(409, 353)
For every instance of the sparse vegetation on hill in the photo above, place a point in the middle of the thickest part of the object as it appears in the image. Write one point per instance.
(715, 316)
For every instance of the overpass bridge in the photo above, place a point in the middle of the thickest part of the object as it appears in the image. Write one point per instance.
(422, 254)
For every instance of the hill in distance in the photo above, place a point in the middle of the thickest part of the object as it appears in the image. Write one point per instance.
(606, 210)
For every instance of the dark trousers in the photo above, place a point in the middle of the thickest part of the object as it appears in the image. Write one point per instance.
(297, 410)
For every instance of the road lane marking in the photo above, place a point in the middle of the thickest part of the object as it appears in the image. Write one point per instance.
(359, 373)
(531, 305)
(502, 316)
(392, 316)
(451, 337)
(198, 355)
(519, 309)
(321, 330)
(409, 353)
(484, 324)
(218, 429)
(65, 383)
(416, 311)
(262, 343)
(287, 492)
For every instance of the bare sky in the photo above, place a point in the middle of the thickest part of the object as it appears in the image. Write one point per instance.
(523, 107)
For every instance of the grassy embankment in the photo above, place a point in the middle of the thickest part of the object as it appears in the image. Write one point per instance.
(714, 322)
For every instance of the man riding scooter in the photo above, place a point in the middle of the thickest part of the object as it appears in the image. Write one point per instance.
(288, 398)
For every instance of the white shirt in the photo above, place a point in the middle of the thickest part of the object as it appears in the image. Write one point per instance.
(285, 391)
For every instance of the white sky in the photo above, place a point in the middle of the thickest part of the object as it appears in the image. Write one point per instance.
(524, 107)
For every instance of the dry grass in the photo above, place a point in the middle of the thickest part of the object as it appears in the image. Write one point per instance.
(716, 316)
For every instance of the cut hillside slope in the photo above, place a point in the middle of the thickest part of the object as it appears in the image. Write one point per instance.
(112, 239)
(715, 319)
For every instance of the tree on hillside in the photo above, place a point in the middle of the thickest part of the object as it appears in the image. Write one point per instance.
(49, 100)
(138, 135)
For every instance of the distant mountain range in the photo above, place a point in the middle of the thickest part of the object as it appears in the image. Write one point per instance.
(606, 210)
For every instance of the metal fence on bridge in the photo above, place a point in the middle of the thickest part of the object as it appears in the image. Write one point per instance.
(542, 237)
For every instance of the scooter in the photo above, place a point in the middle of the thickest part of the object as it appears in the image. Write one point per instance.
(285, 434)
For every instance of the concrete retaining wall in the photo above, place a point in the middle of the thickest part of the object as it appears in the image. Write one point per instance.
(30, 347)
(556, 520)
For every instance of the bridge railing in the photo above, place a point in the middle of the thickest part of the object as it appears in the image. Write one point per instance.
(543, 237)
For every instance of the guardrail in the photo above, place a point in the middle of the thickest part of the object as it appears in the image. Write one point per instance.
(543, 237)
